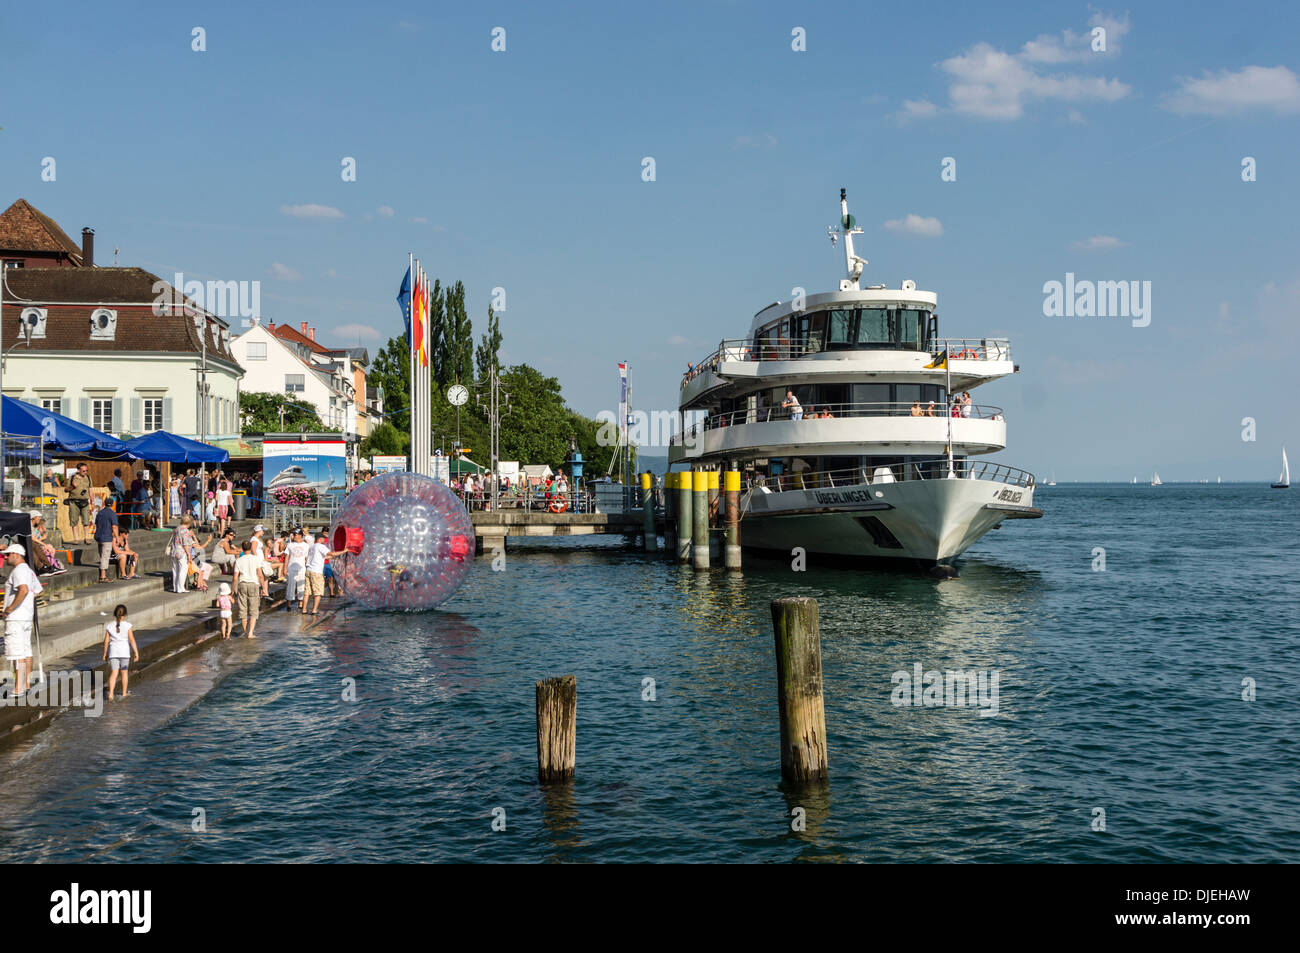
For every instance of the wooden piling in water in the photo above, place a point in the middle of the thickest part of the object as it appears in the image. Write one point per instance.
(557, 728)
(648, 512)
(684, 508)
(700, 519)
(731, 519)
(799, 689)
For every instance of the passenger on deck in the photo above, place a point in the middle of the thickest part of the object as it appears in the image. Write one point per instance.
(916, 409)
(792, 403)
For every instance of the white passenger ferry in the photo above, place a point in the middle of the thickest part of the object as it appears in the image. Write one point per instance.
(852, 422)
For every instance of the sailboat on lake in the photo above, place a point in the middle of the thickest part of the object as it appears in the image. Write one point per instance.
(1156, 481)
(1283, 481)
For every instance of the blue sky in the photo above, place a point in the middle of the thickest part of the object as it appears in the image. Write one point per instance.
(522, 169)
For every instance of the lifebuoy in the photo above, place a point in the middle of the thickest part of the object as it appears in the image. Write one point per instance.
(969, 354)
(559, 506)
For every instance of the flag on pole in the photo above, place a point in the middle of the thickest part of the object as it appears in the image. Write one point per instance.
(426, 309)
(404, 302)
(418, 321)
(940, 362)
(622, 397)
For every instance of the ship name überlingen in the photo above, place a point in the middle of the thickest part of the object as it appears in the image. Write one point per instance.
(852, 422)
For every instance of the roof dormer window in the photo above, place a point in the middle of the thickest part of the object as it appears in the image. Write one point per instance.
(103, 324)
(31, 323)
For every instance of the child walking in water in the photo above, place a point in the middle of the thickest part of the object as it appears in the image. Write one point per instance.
(225, 604)
(119, 646)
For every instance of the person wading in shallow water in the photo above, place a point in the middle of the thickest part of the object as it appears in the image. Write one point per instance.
(249, 580)
(119, 646)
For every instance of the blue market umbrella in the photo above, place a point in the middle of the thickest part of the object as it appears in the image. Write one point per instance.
(60, 435)
(169, 447)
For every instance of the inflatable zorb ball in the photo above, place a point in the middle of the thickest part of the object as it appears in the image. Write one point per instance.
(407, 542)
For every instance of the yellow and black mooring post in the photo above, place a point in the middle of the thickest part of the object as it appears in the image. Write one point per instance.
(684, 507)
(731, 518)
(700, 519)
(648, 511)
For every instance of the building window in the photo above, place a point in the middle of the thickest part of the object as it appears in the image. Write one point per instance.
(52, 404)
(101, 414)
(257, 350)
(153, 414)
(295, 383)
(14, 262)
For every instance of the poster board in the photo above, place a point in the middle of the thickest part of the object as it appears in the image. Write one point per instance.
(314, 462)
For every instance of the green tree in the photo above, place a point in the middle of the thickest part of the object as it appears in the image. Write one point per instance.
(438, 361)
(259, 412)
(391, 370)
(385, 439)
(459, 332)
(488, 354)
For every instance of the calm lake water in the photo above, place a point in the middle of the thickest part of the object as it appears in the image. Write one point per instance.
(1118, 690)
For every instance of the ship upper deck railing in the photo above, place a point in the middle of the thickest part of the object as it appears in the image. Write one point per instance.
(762, 415)
(745, 350)
(935, 469)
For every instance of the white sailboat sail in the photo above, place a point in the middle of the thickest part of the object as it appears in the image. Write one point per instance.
(1155, 480)
(1284, 479)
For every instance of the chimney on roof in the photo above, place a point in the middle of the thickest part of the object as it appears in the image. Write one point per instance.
(88, 247)
(302, 328)
(311, 333)
(271, 326)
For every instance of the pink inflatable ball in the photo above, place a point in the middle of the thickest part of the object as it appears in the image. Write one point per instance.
(407, 542)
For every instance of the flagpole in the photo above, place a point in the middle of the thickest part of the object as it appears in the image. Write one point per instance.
(426, 410)
(947, 370)
(410, 356)
(417, 386)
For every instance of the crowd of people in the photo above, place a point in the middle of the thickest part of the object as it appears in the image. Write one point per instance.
(475, 491)
(298, 558)
(212, 502)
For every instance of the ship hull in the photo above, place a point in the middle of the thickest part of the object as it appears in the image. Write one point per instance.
(918, 523)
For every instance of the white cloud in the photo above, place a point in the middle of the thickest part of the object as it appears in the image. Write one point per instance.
(353, 331)
(1227, 93)
(331, 273)
(1073, 47)
(916, 225)
(678, 341)
(1076, 117)
(385, 211)
(917, 109)
(419, 220)
(284, 272)
(992, 84)
(1099, 243)
(322, 212)
(755, 142)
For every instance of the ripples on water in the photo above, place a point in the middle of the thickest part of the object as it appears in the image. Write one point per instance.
(1119, 690)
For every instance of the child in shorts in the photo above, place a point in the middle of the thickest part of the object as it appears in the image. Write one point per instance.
(119, 645)
(225, 604)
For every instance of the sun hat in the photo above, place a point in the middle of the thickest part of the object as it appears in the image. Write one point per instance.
(14, 548)
(259, 528)
(224, 589)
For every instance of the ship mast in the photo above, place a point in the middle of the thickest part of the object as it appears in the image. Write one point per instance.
(848, 227)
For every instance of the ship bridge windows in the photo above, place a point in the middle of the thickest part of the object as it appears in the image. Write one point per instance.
(845, 329)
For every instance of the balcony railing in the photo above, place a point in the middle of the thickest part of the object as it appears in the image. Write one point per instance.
(936, 469)
(764, 415)
(745, 350)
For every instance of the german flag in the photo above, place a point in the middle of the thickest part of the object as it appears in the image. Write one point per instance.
(940, 362)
